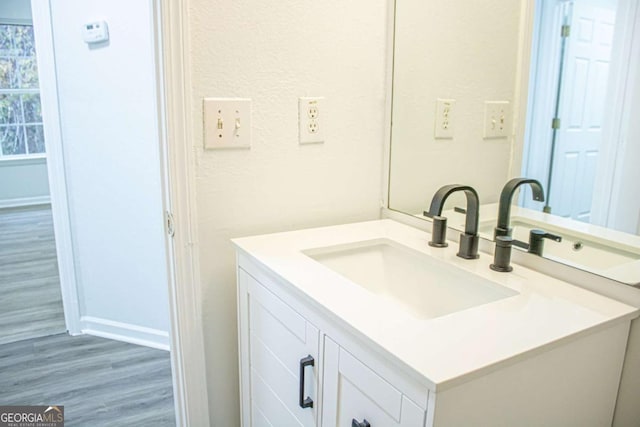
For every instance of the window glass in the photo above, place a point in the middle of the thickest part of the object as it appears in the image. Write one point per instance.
(21, 131)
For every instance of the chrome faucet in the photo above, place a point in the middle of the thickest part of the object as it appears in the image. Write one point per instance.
(469, 239)
(506, 196)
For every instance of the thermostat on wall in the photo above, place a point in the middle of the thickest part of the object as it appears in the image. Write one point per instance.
(95, 32)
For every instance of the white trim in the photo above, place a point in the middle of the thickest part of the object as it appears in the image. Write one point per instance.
(188, 359)
(388, 109)
(523, 84)
(24, 201)
(20, 91)
(543, 70)
(125, 332)
(43, 33)
(30, 159)
(15, 21)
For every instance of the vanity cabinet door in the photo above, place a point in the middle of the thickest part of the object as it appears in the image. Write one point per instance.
(355, 396)
(279, 360)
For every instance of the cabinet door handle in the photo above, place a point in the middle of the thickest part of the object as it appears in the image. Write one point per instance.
(304, 362)
(356, 423)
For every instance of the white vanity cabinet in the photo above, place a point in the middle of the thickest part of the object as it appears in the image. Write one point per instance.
(275, 340)
(318, 349)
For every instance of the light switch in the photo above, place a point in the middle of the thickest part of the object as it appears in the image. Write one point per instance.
(497, 119)
(227, 123)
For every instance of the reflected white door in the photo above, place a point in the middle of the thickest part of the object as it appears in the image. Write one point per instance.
(582, 106)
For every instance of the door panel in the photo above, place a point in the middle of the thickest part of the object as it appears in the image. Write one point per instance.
(353, 391)
(582, 106)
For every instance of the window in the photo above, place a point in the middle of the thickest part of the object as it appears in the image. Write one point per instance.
(21, 131)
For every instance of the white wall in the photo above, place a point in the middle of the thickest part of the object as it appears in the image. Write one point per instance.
(15, 11)
(22, 181)
(274, 52)
(459, 50)
(111, 151)
(626, 214)
(625, 206)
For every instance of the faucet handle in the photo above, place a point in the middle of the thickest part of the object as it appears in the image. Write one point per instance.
(438, 231)
(546, 235)
(536, 240)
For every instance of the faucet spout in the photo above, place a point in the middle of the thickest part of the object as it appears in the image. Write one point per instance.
(468, 239)
(473, 205)
(506, 197)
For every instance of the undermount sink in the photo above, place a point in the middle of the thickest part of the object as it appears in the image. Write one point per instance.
(424, 285)
(579, 250)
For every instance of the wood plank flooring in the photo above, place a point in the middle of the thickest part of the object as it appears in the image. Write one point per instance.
(100, 382)
(30, 298)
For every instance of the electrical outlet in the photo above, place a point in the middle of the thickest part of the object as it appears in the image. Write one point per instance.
(311, 120)
(313, 111)
(227, 123)
(497, 119)
(444, 118)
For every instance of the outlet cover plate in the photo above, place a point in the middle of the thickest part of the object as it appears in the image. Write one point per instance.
(445, 116)
(311, 120)
(227, 123)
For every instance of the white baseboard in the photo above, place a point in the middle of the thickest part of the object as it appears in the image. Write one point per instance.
(25, 201)
(125, 332)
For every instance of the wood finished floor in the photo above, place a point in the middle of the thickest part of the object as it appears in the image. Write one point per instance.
(30, 298)
(100, 382)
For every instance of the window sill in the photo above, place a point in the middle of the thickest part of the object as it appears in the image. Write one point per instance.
(23, 160)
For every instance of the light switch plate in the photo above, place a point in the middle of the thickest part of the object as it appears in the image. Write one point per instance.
(445, 109)
(497, 119)
(311, 120)
(227, 123)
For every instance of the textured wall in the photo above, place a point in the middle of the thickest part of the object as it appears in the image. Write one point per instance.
(274, 52)
(451, 49)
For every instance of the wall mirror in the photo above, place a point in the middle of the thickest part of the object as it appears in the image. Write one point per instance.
(547, 89)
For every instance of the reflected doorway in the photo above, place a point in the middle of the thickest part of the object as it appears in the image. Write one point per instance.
(571, 62)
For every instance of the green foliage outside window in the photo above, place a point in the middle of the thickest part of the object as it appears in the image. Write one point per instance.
(21, 131)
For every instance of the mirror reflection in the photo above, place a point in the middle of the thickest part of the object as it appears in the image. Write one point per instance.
(545, 90)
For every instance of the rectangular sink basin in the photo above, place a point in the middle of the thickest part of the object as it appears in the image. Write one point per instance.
(421, 284)
(579, 250)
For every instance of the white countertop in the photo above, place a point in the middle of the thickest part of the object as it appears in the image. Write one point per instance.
(448, 349)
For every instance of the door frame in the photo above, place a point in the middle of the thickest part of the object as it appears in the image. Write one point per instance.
(43, 34)
(173, 86)
(174, 89)
(533, 128)
(543, 79)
